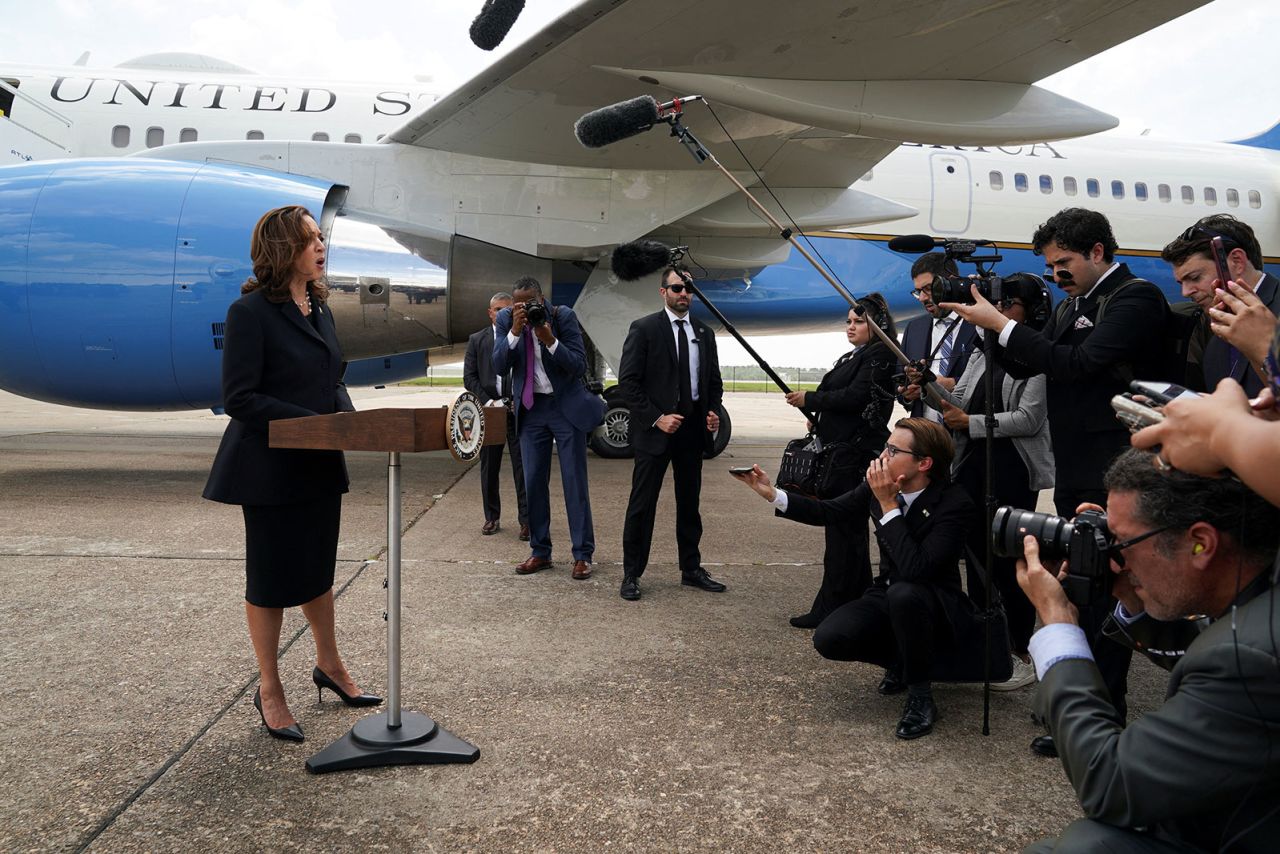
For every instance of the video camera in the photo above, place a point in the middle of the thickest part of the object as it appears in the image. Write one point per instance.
(956, 288)
(1085, 542)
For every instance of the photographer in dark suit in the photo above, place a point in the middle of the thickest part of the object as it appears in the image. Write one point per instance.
(542, 347)
(670, 378)
(938, 337)
(920, 518)
(479, 378)
(1202, 772)
(281, 359)
(852, 404)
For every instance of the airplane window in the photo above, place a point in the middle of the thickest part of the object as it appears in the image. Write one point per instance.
(188, 135)
(1091, 185)
(1166, 195)
(1255, 199)
(1069, 186)
(1020, 182)
(1188, 195)
(319, 136)
(1140, 191)
(997, 180)
(1046, 184)
(1233, 198)
(1117, 189)
(155, 137)
(120, 136)
(254, 134)
(351, 137)
(1210, 196)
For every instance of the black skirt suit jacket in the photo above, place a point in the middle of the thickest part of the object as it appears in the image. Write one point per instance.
(276, 364)
(854, 399)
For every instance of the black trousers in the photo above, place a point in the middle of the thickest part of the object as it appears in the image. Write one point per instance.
(684, 454)
(1112, 658)
(491, 465)
(895, 627)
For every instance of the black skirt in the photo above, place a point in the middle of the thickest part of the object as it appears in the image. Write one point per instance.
(290, 551)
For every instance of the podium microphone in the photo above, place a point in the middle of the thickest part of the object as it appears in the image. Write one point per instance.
(494, 22)
(617, 122)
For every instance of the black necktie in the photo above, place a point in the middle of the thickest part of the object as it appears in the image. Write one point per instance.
(902, 503)
(686, 387)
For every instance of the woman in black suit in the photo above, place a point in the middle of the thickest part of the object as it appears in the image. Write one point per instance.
(852, 404)
(281, 359)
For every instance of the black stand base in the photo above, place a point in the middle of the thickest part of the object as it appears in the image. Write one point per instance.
(371, 744)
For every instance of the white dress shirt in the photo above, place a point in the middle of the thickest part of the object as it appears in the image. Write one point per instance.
(694, 346)
(541, 384)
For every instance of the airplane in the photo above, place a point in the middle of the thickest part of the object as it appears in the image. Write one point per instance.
(116, 273)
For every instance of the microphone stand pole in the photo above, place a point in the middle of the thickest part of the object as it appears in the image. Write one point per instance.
(988, 488)
(702, 155)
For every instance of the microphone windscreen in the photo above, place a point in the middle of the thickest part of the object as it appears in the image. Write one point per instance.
(913, 243)
(606, 125)
(639, 258)
(494, 22)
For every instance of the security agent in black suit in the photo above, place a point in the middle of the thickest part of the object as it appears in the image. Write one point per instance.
(938, 337)
(1226, 350)
(1087, 359)
(673, 418)
(920, 519)
(479, 378)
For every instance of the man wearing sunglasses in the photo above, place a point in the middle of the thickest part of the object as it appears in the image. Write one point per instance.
(905, 618)
(670, 378)
(1233, 325)
(1202, 772)
(939, 338)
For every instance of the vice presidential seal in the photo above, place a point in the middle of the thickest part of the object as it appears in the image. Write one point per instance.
(465, 427)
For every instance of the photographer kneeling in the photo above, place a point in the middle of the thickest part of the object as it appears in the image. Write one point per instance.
(1202, 772)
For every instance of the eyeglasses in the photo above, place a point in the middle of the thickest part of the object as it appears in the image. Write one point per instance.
(676, 289)
(1115, 551)
(894, 450)
(919, 293)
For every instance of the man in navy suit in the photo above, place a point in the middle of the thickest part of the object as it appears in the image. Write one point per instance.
(937, 337)
(494, 389)
(547, 361)
(1225, 353)
(670, 378)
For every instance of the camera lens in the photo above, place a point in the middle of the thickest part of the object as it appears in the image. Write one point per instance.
(1010, 525)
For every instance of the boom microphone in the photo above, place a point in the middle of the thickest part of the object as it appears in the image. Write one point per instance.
(616, 122)
(494, 22)
(915, 244)
(639, 258)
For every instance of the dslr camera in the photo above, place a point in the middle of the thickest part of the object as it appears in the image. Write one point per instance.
(956, 288)
(535, 313)
(1085, 542)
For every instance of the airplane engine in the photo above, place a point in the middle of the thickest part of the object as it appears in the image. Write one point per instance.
(115, 277)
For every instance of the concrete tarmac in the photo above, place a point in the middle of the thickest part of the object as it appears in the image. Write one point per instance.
(687, 721)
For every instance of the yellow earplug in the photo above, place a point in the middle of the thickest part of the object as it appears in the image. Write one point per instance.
(1197, 548)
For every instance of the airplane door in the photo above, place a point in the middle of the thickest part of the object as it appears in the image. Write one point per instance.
(952, 193)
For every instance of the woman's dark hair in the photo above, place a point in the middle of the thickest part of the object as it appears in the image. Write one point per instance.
(875, 306)
(280, 236)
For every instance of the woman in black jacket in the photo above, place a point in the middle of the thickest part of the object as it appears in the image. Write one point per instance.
(281, 359)
(852, 404)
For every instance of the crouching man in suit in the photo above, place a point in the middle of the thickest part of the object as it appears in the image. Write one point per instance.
(1202, 772)
(920, 518)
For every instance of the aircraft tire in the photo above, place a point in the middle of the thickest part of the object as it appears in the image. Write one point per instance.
(610, 440)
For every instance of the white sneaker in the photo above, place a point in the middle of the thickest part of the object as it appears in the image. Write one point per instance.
(1024, 674)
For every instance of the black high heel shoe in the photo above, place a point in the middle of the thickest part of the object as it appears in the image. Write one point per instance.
(323, 681)
(292, 732)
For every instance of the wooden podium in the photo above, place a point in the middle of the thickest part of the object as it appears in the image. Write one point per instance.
(392, 736)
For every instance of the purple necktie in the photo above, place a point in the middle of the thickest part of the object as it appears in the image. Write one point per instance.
(526, 394)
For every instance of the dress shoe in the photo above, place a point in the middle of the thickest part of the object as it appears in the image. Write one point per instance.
(491, 527)
(699, 578)
(630, 588)
(806, 621)
(918, 718)
(532, 565)
(1042, 745)
(891, 684)
(524, 533)
(292, 732)
(323, 681)
(581, 570)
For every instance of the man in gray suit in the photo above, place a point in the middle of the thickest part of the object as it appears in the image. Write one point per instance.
(480, 379)
(1202, 772)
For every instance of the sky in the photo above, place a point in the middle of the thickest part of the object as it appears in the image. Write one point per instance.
(1210, 75)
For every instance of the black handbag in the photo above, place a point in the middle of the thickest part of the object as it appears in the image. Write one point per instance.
(818, 470)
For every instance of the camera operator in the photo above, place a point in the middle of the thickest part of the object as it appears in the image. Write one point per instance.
(1094, 343)
(938, 338)
(920, 518)
(1202, 772)
(1233, 328)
